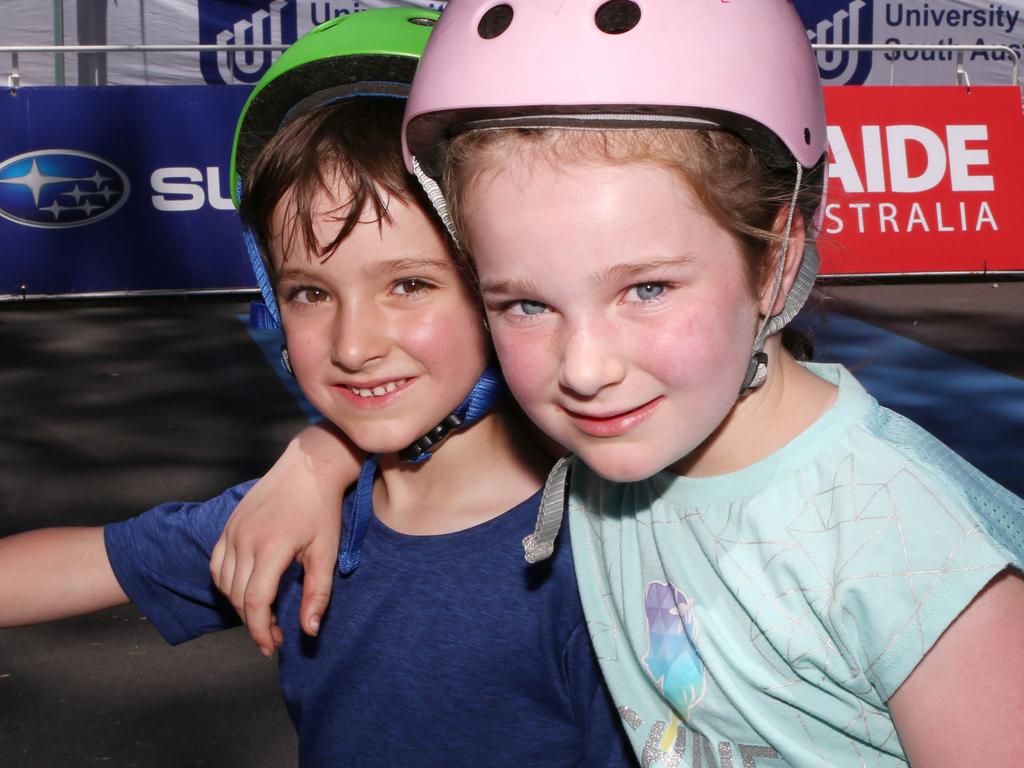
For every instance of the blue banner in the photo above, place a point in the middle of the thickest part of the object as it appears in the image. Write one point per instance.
(119, 189)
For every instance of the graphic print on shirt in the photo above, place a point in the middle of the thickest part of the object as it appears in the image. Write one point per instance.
(671, 659)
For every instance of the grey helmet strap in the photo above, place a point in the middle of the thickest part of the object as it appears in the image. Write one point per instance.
(757, 371)
(436, 197)
(540, 544)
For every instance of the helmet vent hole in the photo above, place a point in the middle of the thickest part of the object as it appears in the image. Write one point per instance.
(495, 21)
(807, 136)
(422, 21)
(617, 16)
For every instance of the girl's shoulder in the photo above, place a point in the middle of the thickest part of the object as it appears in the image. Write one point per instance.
(921, 475)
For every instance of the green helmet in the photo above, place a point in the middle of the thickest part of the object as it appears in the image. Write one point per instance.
(367, 53)
(360, 53)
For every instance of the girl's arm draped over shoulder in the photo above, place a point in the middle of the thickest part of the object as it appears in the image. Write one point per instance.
(292, 514)
(964, 702)
(54, 573)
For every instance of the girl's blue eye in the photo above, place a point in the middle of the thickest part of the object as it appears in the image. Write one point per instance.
(649, 291)
(531, 307)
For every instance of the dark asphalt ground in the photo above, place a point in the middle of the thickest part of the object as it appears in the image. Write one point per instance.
(108, 408)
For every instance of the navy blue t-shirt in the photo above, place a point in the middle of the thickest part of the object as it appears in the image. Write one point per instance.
(437, 651)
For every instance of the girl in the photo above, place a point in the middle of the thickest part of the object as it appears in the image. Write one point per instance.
(775, 569)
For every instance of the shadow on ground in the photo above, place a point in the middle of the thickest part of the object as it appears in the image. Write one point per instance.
(107, 410)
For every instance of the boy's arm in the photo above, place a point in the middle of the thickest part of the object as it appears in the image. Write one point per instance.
(292, 514)
(964, 702)
(54, 573)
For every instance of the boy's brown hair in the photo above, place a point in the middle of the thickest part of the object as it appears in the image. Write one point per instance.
(352, 145)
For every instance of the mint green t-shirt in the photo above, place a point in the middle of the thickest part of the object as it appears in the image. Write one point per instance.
(764, 617)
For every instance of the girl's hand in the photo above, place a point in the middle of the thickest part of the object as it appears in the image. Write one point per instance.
(293, 514)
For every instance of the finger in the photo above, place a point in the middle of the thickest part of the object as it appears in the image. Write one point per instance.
(243, 567)
(217, 561)
(260, 591)
(227, 573)
(319, 562)
(278, 634)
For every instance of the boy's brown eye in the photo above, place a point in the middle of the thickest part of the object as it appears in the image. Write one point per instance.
(412, 285)
(313, 295)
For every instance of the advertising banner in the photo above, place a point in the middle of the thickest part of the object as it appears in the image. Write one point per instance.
(118, 189)
(924, 180)
(934, 22)
(277, 22)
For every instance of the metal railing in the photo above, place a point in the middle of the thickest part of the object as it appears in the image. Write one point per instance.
(14, 79)
(960, 73)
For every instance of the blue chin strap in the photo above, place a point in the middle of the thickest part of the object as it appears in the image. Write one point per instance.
(269, 315)
(477, 403)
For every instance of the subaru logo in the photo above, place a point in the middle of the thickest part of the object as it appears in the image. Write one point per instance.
(60, 188)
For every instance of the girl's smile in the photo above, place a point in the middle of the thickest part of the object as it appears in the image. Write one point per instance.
(613, 425)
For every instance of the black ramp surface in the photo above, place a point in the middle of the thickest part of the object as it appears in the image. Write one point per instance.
(106, 410)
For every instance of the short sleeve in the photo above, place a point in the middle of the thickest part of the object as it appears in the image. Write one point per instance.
(161, 559)
(604, 739)
(926, 559)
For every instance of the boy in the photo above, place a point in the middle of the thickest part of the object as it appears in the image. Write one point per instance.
(429, 656)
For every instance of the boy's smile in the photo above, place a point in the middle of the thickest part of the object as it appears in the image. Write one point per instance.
(375, 394)
(621, 312)
(384, 338)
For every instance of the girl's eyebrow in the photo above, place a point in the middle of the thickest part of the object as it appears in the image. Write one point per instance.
(503, 288)
(614, 274)
(621, 272)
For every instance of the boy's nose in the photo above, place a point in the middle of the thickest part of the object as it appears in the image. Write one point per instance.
(590, 360)
(360, 337)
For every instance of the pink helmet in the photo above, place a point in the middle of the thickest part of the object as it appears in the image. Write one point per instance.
(741, 64)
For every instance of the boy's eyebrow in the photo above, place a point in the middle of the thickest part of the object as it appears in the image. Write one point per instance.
(302, 272)
(294, 273)
(414, 262)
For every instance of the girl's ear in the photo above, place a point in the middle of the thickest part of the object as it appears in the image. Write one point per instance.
(794, 256)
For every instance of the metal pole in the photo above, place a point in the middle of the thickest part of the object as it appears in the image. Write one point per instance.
(142, 25)
(58, 39)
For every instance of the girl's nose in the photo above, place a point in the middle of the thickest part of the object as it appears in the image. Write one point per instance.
(590, 360)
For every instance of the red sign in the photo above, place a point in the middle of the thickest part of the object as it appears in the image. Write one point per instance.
(924, 180)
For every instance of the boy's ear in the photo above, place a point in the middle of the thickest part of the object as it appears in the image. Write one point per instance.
(794, 257)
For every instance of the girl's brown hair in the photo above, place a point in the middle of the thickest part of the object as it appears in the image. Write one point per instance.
(744, 190)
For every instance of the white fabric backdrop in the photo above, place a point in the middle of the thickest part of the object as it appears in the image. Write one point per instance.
(277, 21)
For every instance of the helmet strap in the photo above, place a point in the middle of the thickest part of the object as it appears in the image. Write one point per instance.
(474, 407)
(540, 544)
(436, 197)
(259, 268)
(757, 370)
